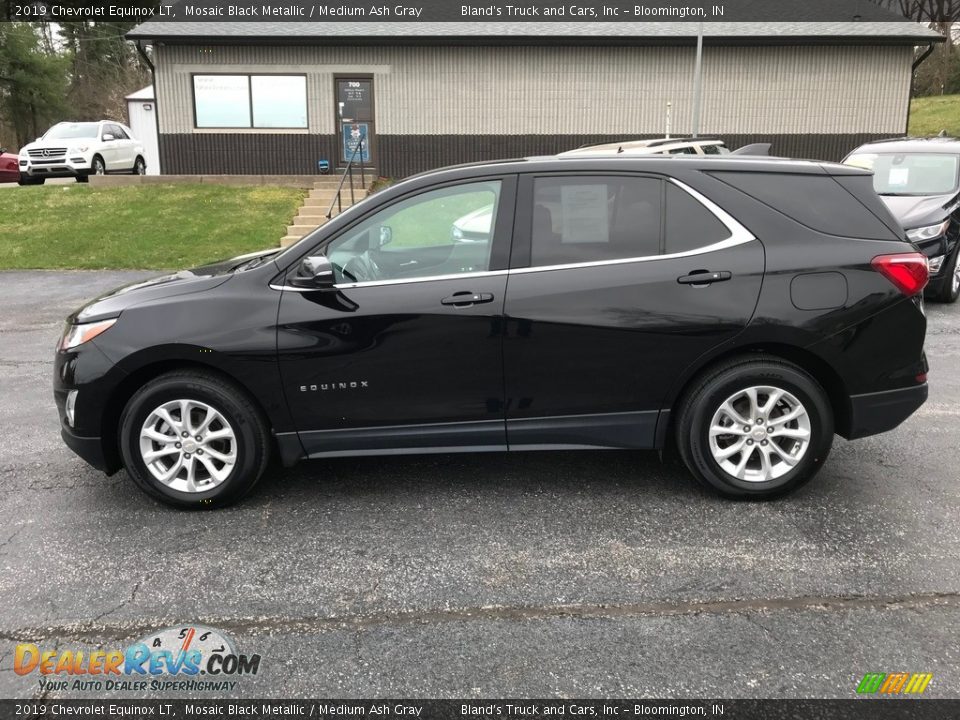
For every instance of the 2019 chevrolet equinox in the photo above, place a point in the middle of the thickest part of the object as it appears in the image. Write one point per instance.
(744, 310)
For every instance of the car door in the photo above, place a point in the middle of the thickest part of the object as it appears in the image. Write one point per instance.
(109, 149)
(125, 151)
(604, 308)
(406, 352)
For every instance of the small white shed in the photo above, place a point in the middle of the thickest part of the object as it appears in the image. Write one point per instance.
(142, 115)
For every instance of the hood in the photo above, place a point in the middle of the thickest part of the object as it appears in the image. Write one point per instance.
(913, 211)
(205, 277)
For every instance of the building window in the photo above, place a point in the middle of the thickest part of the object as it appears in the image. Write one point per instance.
(250, 101)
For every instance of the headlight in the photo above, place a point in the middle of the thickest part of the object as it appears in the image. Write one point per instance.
(929, 232)
(79, 149)
(75, 335)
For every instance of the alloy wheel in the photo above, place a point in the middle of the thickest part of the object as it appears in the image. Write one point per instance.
(759, 433)
(188, 446)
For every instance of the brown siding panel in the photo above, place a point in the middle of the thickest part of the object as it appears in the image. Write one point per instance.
(245, 153)
(402, 155)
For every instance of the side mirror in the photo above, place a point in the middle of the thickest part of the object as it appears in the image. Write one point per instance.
(314, 273)
(107, 137)
(386, 235)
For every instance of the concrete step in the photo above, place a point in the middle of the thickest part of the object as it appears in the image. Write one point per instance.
(306, 216)
(346, 185)
(288, 240)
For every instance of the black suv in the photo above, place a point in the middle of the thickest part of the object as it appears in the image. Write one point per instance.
(919, 180)
(743, 309)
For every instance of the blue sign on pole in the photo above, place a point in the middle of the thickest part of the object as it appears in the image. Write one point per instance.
(351, 132)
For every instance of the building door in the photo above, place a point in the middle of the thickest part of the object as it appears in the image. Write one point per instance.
(355, 118)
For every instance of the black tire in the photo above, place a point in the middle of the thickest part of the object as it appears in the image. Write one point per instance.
(710, 391)
(27, 180)
(83, 178)
(250, 429)
(97, 166)
(139, 166)
(950, 290)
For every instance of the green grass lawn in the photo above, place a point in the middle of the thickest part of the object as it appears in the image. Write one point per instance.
(930, 115)
(139, 226)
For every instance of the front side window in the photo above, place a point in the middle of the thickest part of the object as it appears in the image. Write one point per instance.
(447, 231)
(910, 173)
(250, 101)
(590, 219)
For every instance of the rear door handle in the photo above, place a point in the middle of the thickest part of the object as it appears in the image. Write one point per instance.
(467, 298)
(704, 277)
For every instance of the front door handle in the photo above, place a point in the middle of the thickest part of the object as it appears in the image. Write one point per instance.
(467, 298)
(704, 277)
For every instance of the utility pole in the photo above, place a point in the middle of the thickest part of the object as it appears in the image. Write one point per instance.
(698, 83)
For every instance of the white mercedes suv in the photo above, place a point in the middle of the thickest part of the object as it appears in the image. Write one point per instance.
(81, 149)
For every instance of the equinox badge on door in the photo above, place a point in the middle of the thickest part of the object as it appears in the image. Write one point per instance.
(324, 387)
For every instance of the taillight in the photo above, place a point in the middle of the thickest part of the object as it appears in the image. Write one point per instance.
(908, 271)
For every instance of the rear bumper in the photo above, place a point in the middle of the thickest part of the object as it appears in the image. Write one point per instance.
(878, 412)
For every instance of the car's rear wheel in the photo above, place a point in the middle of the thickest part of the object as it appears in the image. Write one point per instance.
(951, 281)
(97, 166)
(139, 166)
(755, 427)
(193, 440)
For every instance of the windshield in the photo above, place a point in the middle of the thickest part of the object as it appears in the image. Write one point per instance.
(70, 131)
(910, 173)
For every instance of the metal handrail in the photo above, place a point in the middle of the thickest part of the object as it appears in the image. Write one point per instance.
(348, 171)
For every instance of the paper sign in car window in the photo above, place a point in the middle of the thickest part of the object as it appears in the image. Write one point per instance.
(584, 213)
(899, 177)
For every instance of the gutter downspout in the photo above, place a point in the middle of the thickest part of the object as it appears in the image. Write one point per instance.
(156, 104)
(913, 74)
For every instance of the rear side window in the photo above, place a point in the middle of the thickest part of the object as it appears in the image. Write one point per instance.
(590, 219)
(817, 201)
(689, 224)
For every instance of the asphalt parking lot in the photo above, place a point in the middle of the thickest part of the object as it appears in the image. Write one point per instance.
(547, 575)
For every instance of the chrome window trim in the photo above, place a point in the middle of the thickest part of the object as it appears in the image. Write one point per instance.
(399, 281)
(739, 235)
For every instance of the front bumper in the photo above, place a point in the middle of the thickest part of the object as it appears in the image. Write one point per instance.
(89, 449)
(87, 370)
(69, 166)
(878, 412)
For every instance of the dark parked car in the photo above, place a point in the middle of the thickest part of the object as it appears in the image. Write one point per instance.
(9, 172)
(919, 180)
(740, 309)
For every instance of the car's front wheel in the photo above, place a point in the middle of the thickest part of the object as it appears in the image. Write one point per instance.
(27, 180)
(139, 166)
(755, 427)
(193, 440)
(951, 281)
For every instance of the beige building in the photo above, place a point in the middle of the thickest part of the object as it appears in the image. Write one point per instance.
(282, 97)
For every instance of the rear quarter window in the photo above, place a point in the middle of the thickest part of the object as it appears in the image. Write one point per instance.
(689, 224)
(817, 201)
